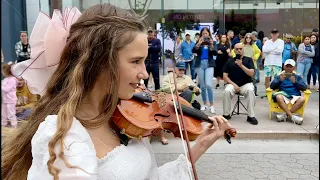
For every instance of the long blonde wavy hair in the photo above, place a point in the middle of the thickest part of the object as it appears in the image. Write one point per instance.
(91, 51)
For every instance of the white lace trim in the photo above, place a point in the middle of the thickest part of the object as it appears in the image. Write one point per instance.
(111, 154)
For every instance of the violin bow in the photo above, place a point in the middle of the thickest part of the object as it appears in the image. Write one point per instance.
(183, 129)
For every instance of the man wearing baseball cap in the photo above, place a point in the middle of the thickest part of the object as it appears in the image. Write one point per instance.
(187, 55)
(272, 50)
(152, 60)
(186, 87)
(289, 85)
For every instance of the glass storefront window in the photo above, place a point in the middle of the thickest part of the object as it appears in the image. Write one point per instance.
(297, 17)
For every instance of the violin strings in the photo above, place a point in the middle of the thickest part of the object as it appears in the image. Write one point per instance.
(180, 129)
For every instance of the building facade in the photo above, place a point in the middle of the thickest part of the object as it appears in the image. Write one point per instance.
(173, 17)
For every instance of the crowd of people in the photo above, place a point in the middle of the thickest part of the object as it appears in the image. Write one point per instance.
(237, 61)
(209, 57)
(212, 58)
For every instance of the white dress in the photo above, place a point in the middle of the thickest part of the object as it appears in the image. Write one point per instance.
(132, 162)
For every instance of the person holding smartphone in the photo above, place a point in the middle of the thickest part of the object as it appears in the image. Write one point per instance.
(238, 73)
(289, 85)
(204, 66)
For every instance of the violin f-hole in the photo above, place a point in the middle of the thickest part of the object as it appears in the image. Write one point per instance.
(161, 115)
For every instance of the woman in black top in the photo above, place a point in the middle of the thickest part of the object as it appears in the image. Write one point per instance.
(223, 50)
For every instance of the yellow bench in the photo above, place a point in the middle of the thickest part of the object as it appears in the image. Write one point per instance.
(274, 107)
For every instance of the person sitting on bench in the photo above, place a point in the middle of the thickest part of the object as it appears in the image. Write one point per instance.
(238, 73)
(289, 85)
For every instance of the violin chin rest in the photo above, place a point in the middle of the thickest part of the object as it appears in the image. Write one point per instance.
(142, 97)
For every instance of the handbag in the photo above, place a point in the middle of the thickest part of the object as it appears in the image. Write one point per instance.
(293, 53)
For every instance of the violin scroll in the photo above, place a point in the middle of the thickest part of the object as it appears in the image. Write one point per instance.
(230, 133)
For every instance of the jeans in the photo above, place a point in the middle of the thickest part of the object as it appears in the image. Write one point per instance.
(257, 75)
(303, 68)
(314, 71)
(257, 71)
(154, 69)
(191, 64)
(24, 115)
(205, 74)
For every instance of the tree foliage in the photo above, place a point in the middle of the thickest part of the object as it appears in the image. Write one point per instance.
(248, 24)
(176, 23)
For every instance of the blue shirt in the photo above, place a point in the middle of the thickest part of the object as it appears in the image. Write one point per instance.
(286, 54)
(186, 49)
(235, 41)
(205, 53)
(259, 44)
(287, 86)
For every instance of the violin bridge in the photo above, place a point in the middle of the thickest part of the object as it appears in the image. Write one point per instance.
(161, 99)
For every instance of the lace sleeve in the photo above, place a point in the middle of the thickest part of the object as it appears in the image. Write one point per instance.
(79, 151)
(177, 169)
(174, 170)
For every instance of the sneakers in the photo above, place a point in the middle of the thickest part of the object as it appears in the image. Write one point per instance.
(252, 120)
(264, 96)
(204, 107)
(195, 81)
(212, 110)
(297, 120)
(227, 117)
(282, 117)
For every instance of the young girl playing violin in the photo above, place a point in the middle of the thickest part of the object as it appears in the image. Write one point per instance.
(68, 135)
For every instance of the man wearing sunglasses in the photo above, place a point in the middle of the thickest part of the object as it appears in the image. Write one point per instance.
(238, 73)
(272, 49)
(290, 49)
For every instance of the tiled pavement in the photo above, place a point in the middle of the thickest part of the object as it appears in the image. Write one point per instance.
(253, 166)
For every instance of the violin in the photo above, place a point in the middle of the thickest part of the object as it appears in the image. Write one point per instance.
(147, 113)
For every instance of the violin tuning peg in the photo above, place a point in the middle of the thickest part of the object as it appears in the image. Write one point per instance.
(227, 137)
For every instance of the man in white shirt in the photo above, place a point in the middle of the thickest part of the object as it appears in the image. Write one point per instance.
(272, 49)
